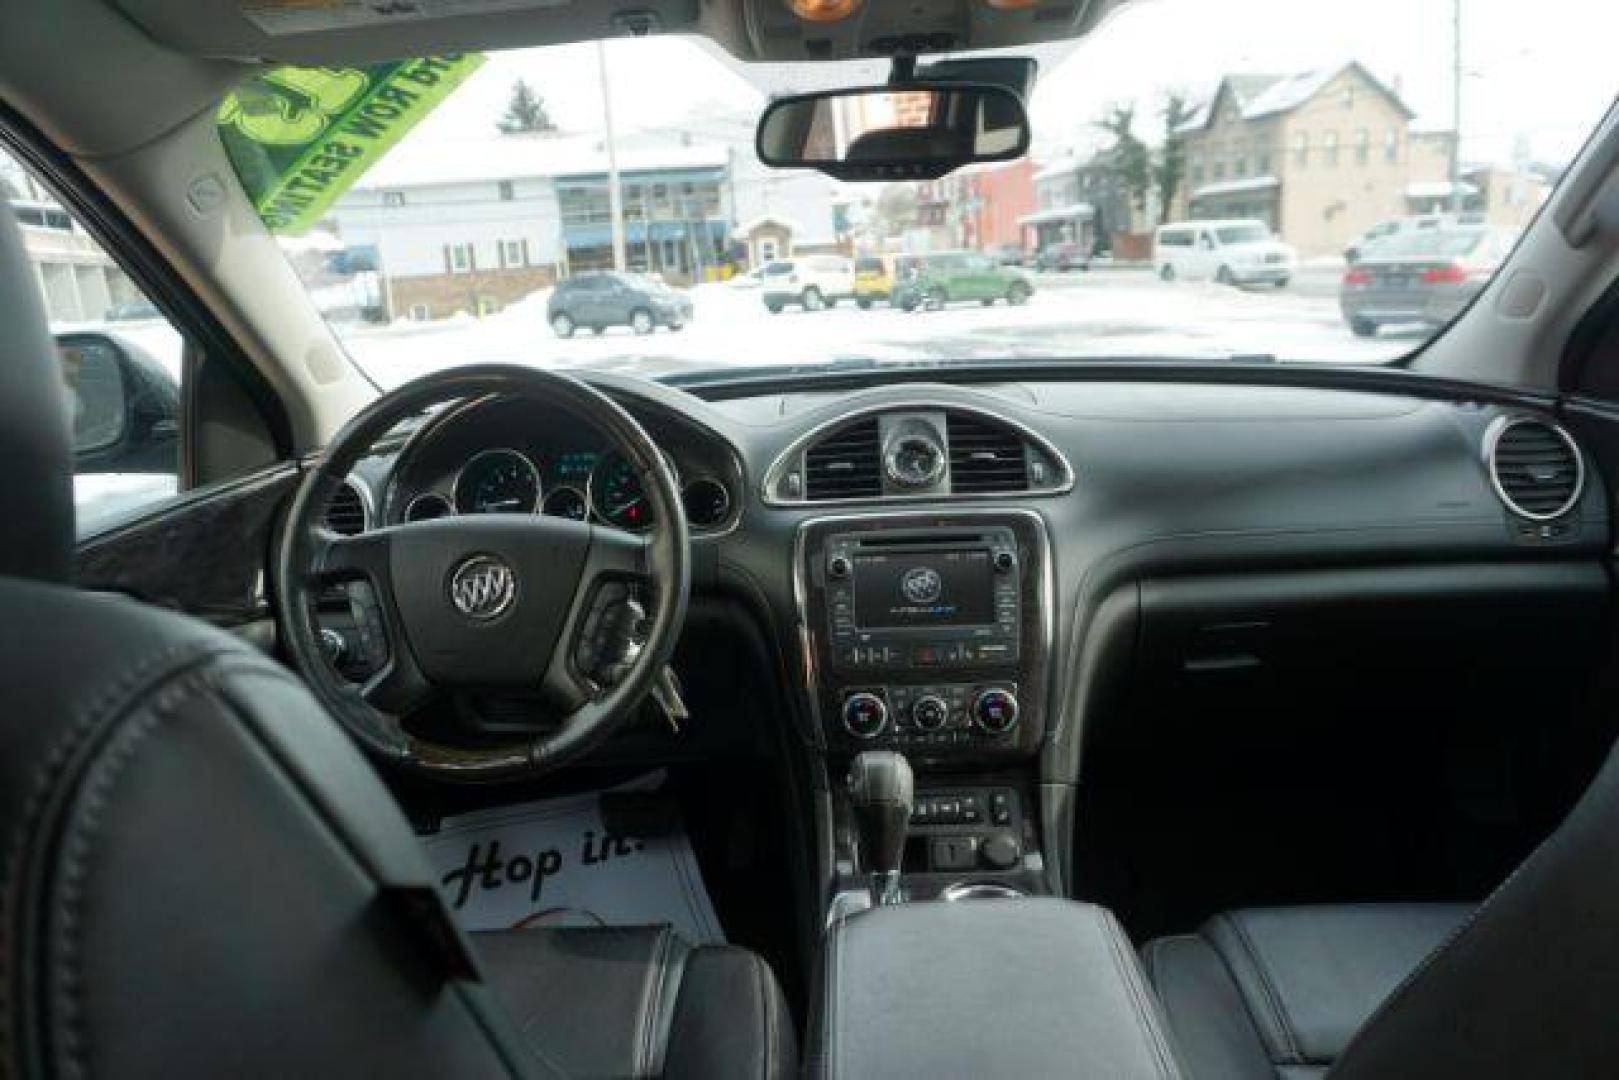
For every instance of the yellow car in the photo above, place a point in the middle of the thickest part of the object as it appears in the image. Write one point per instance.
(873, 279)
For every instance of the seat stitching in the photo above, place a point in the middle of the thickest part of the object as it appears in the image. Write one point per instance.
(1111, 934)
(1274, 999)
(158, 706)
(92, 714)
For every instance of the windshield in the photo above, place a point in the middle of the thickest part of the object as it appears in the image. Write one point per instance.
(1281, 141)
(1244, 234)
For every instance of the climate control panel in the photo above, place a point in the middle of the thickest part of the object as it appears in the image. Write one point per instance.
(940, 714)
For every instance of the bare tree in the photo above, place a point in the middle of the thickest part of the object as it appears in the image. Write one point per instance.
(1170, 171)
(1132, 159)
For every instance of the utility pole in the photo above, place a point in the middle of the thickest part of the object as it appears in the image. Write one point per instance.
(615, 198)
(1456, 106)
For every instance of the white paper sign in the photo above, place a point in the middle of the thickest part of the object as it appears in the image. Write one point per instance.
(553, 863)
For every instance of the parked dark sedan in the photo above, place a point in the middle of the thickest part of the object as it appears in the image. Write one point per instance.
(1420, 277)
(600, 300)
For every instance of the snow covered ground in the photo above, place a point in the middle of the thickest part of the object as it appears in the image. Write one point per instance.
(1100, 314)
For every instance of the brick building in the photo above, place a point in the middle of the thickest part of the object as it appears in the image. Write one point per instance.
(978, 207)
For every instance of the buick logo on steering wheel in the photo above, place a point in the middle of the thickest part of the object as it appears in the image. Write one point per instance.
(922, 585)
(483, 587)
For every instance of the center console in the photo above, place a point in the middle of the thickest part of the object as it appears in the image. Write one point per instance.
(931, 634)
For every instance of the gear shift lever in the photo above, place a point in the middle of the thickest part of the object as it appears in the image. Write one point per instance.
(882, 789)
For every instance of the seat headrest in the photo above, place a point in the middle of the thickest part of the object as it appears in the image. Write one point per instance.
(36, 502)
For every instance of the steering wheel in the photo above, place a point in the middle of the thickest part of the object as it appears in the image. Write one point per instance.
(494, 602)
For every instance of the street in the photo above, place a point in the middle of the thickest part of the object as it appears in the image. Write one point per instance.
(1105, 312)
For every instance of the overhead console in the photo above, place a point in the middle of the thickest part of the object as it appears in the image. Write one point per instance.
(927, 632)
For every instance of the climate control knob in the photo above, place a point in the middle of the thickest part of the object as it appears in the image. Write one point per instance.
(929, 712)
(864, 715)
(995, 712)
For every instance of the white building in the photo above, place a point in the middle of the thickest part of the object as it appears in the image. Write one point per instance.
(77, 278)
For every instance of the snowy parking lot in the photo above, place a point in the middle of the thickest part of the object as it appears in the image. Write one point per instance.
(1102, 313)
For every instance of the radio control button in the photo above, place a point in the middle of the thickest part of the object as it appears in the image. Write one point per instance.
(839, 566)
(864, 715)
(1005, 561)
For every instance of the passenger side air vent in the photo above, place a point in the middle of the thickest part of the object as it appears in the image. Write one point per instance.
(1536, 468)
(346, 513)
(985, 457)
(847, 464)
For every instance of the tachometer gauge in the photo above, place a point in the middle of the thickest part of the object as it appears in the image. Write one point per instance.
(616, 494)
(497, 482)
(566, 502)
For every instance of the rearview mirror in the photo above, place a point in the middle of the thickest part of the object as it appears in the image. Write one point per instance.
(909, 132)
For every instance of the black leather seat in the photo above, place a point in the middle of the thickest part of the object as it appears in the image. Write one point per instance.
(1281, 991)
(201, 876)
(1522, 986)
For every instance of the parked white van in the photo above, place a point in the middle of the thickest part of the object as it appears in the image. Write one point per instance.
(1238, 251)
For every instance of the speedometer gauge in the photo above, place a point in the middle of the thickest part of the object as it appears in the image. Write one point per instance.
(497, 481)
(616, 494)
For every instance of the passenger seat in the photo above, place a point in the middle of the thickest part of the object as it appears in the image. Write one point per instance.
(1525, 985)
(1279, 992)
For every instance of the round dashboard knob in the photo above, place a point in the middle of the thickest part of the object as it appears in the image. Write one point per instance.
(1004, 561)
(995, 711)
(838, 566)
(930, 712)
(1000, 851)
(864, 715)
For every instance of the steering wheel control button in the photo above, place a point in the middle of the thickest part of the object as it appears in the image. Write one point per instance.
(995, 711)
(483, 588)
(865, 715)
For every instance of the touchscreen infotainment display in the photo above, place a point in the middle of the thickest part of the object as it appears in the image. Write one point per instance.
(935, 588)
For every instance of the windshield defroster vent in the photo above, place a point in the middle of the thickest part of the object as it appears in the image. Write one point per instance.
(1535, 467)
(346, 514)
(985, 456)
(846, 464)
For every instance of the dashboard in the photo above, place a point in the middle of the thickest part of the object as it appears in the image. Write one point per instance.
(813, 508)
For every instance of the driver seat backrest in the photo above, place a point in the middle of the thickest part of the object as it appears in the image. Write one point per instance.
(200, 875)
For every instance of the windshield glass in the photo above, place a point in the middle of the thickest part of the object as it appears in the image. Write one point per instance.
(1243, 234)
(455, 194)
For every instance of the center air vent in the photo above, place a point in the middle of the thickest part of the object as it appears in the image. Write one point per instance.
(985, 457)
(1535, 467)
(346, 513)
(846, 464)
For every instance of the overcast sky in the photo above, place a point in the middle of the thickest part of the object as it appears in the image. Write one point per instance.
(1542, 71)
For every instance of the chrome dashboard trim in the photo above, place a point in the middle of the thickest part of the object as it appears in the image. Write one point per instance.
(455, 409)
(1492, 439)
(785, 459)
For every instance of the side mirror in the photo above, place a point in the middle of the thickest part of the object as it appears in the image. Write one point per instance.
(916, 131)
(123, 404)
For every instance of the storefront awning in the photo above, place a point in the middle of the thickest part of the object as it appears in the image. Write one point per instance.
(1244, 186)
(1438, 189)
(1072, 212)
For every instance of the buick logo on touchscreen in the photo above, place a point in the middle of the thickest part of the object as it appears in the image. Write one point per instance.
(921, 585)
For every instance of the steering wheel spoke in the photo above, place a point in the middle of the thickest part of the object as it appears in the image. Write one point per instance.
(361, 564)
